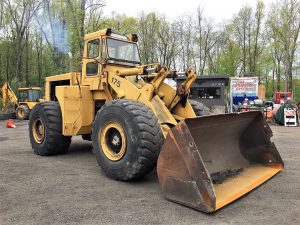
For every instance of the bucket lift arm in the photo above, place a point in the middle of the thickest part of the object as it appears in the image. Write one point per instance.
(7, 93)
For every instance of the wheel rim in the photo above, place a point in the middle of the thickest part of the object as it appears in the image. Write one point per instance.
(38, 131)
(20, 113)
(113, 141)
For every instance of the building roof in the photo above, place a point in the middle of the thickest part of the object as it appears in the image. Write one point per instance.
(206, 78)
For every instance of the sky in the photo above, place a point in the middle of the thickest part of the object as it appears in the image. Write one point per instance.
(218, 10)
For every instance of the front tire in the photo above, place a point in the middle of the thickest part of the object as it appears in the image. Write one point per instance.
(45, 130)
(22, 112)
(126, 139)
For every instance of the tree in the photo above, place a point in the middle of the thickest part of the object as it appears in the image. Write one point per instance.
(21, 13)
(257, 47)
(284, 22)
(35, 36)
(147, 31)
(228, 59)
(167, 44)
(205, 40)
(242, 26)
(185, 36)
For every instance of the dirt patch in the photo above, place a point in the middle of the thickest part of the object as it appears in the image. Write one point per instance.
(220, 177)
(3, 138)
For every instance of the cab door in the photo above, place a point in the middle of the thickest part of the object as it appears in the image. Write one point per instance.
(91, 67)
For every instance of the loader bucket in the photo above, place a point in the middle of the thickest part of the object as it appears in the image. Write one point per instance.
(208, 162)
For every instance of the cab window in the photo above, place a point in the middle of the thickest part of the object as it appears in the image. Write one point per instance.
(92, 68)
(103, 51)
(93, 48)
(23, 96)
(92, 52)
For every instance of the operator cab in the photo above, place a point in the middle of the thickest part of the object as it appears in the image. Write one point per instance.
(29, 94)
(106, 50)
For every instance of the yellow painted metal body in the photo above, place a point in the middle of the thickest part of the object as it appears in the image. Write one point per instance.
(77, 109)
(30, 105)
(77, 93)
(7, 93)
(106, 149)
(38, 131)
(81, 95)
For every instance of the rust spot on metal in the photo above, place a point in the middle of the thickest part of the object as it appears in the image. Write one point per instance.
(205, 153)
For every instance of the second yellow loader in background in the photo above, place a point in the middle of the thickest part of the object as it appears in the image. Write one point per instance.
(23, 102)
(137, 122)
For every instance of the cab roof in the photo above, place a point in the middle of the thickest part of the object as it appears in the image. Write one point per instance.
(108, 32)
(97, 34)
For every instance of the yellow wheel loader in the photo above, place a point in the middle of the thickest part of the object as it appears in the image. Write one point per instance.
(137, 122)
(24, 102)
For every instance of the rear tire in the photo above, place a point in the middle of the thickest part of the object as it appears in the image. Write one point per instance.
(22, 112)
(199, 108)
(45, 130)
(127, 138)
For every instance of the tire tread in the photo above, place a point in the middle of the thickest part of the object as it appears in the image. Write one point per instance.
(150, 138)
(55, 142)
(199, 108)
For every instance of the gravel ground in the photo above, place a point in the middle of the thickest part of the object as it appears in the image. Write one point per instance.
(71, 189)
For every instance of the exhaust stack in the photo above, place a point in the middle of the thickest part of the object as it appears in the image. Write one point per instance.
(71, 61)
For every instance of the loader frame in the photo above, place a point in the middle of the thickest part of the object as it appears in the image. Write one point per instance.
(80, 95)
